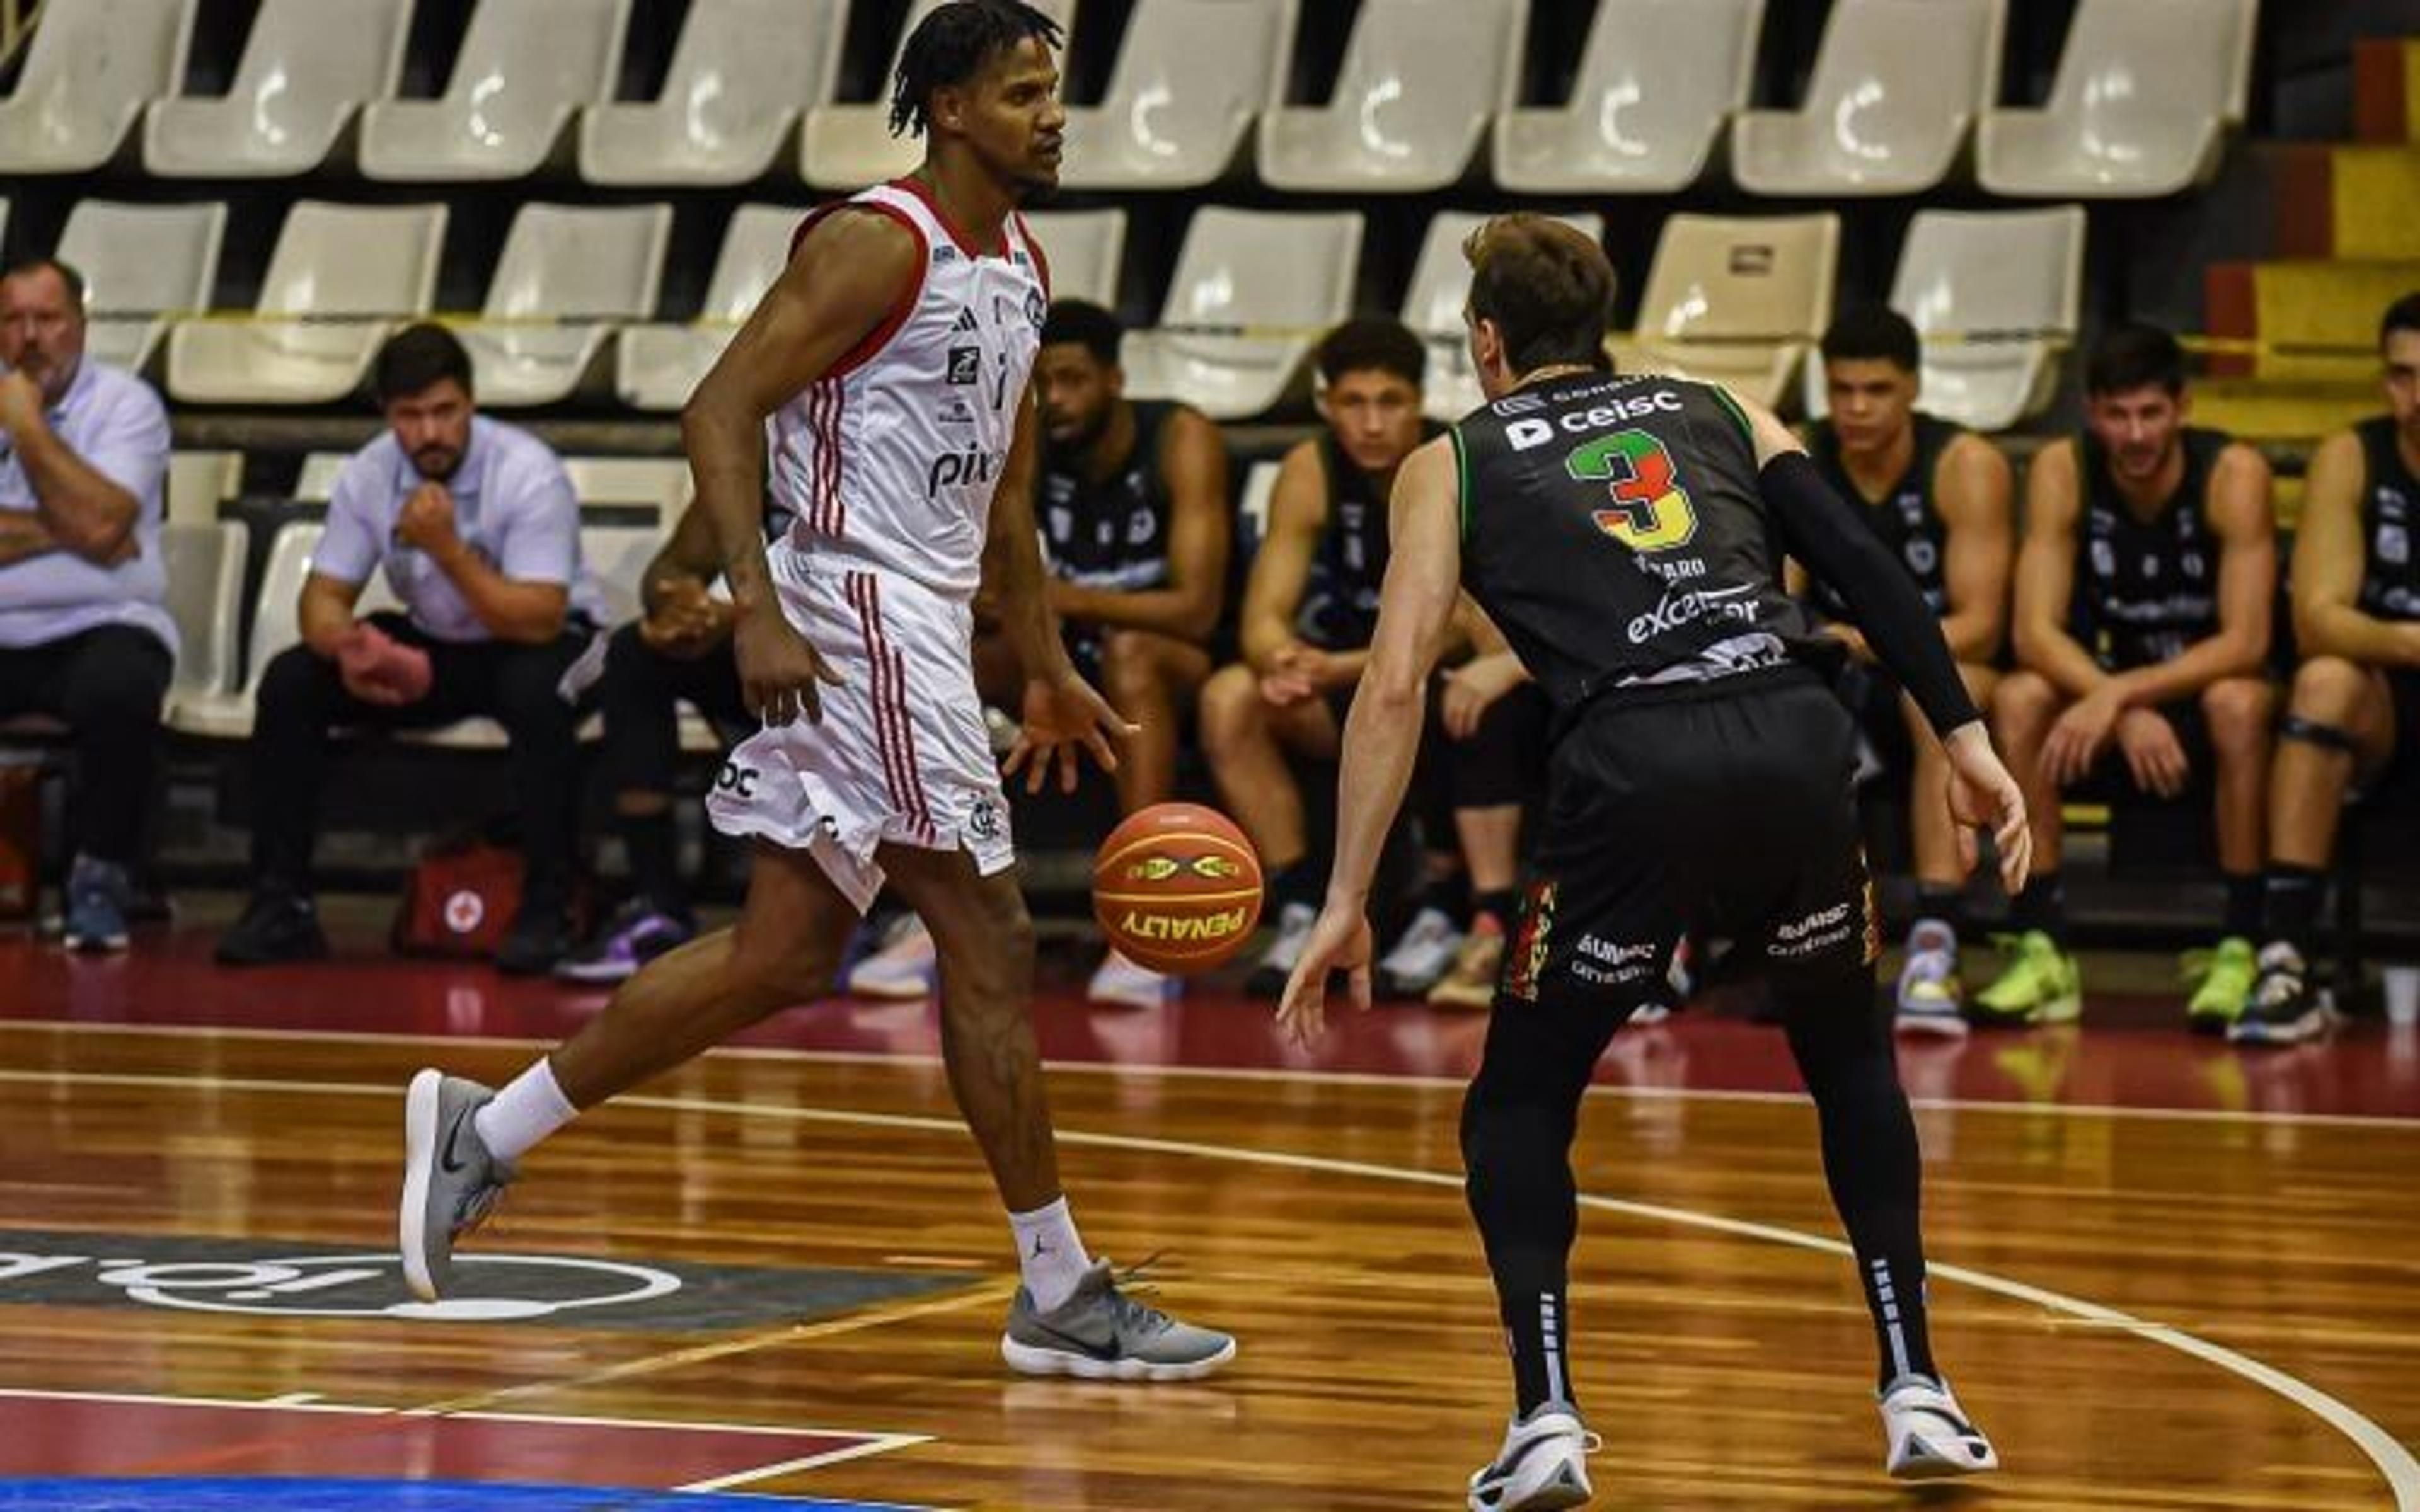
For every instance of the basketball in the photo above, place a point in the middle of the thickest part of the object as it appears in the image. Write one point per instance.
(1177, 888)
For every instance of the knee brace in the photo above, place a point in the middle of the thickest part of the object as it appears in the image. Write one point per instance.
(2312, 732)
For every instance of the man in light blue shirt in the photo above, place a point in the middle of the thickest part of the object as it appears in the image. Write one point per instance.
(84, 635)
(477, 529)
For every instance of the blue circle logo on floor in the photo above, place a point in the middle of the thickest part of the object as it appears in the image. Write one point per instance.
(275, 1495)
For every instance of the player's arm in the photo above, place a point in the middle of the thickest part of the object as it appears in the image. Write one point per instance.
(2046, 574)
(1273, 593)
(2245, 522)
(1013, 574)
(2329, 556)
(1976, 488)
(1193, 468)
(325, 612)
(686, 560)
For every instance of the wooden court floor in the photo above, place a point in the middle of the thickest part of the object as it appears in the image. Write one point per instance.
(2156, 1309)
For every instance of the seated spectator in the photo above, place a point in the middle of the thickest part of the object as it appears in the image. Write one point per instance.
(478, 530)
(2354, 711)
(1136, 530)
(2143, 600)
(1939, 497)
(1309, 606)
(85, 633)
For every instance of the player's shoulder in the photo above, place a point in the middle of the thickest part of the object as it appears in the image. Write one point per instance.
(849, 232)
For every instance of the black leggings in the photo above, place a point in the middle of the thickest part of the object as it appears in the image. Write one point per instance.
(106, 683)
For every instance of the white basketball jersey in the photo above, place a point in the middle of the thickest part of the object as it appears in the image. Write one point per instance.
(889, 460)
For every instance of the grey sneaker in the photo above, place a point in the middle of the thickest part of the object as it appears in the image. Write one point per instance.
(98, 893)
(450, 1181)
(1101, 1333)
(1542, 1465)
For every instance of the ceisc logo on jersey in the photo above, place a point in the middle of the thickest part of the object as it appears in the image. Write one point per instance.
(1651, 511)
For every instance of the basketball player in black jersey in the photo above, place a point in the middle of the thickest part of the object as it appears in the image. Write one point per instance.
(1939, 496)
(2355, 707)
(1627, 535)
(2143, 604)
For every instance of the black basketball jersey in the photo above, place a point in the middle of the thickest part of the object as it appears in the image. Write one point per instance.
(1613, 529)
(1339, 602)
(2144, 590)
(1112, 535)
(1907, 519)
(2390, 579)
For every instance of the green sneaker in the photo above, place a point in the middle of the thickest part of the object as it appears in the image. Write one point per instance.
(2224, 979)
(2042, 984)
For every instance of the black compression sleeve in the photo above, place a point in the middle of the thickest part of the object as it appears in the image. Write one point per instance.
(1824, 533)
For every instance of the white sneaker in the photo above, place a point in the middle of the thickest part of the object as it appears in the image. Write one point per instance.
(1929, 995)
(1929, 1437)
(1295, 921)
(1120, 983)
(1423, 953)
(1542, 1465)
(906, 966)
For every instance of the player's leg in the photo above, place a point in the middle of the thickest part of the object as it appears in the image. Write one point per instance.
(2042, 982)
(1248, 740)
(463, 1142)
(2228, 728)
(1929, 995)
(1494, 773)
(1152, 680)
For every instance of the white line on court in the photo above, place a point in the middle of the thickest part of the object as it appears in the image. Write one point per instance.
(875, 1444)
(2394, 1461)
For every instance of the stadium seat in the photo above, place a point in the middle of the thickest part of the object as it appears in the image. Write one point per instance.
(1896, 85)
(1252, 291)
(1434, 305)
(1421, 78)
(4, 219)
(741, 74)
(658, 364)
(338, 276)
(1252, 509)
(199, 482)
(275, 625)
(1641, 120)
(141, 263)
(2145, 93)
(203, 562)
(847, 146)
(1736, 301)
(524, 67)
(308, 66)
(91, 68)
(585, 265)
(1190, 76)
(316, 484)
(658, 483)
(2316, 370)
(1085, 249)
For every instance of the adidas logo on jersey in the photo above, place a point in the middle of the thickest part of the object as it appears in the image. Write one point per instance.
(965, 324)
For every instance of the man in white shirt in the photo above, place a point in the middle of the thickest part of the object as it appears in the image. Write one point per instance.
(478, 530)
(84, 635)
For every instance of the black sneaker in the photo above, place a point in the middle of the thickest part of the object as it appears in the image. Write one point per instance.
(278, 925)
(538, 939)
(2283, 1010)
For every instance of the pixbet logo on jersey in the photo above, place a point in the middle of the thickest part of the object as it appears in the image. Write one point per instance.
(959, 470)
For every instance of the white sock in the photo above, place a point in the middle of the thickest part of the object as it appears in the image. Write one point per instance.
(529, 1108)
(1049, 1254)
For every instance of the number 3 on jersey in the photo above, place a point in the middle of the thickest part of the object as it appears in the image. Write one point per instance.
(1650, 512)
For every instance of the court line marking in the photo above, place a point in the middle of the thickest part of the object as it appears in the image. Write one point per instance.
(877, 1443)
(1258, 1073)
(2394, 1463)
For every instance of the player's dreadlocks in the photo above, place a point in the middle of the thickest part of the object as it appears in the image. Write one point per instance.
(951, 46)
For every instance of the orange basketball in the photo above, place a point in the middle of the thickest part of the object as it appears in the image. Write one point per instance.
(1177, 888)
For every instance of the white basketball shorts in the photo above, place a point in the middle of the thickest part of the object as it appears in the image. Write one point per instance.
(900, 755)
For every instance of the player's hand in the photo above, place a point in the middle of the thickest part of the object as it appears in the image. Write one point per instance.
(1473, 688)
(686, 622)
(1982, 795)
(427, 522)
(1339, 942)
(2077, 740)
(2153, 753)
(1287, 679)
(1064, 714)
(778, 671)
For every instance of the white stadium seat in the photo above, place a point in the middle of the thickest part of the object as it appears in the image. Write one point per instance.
(849, 146)
(336, 270)
(1897, 84)
(1252, 291)
(227, 715)
(1421, 78)
(204, 563)
(2145, 94)
(91, 68)
(1736, 301)
(524, 67)
(1642, 120)
(741, 74)
(586, 267)
(1085, 249)
(141, 263)
(658, 364)
(1433, 308)
(199, 482)
(1190, 76)
(658, 483)
(308, 66)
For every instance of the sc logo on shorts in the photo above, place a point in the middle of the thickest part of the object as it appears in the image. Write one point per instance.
(737, 780)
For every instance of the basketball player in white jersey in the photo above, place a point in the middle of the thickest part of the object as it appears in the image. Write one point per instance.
(892, 358)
